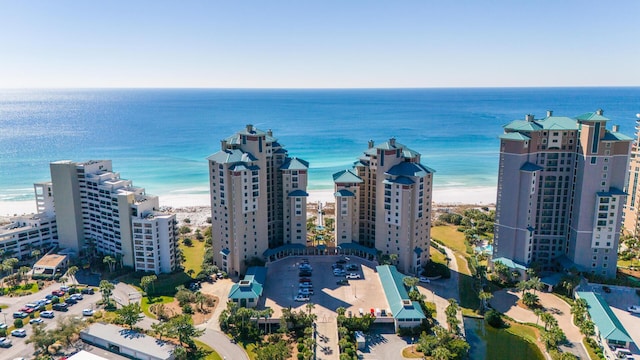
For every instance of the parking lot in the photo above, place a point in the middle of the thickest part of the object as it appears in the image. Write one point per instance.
(283, 283)
(619, 299)
(15, 304)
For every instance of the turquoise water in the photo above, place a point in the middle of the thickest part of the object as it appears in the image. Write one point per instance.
(160, 138)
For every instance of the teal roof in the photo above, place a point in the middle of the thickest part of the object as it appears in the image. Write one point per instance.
(285, 247)
(346, 176)
(297, 193)
(235, 138)
(616, 136)
(607, 322)
(558, 123)
(358, 247)
(510, 263)
(592, 116)
(397, 297)
(523, 125)
(553, 279)
(231, 156)
(251, 286)
(343, 192)
(410, 169)
(295, 164)
(612, 192)
(406, 152)
(402, 180)
(530, 167)
(514, 136)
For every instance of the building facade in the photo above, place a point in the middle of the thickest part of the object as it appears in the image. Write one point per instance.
(99, 211)
(258, 198)
(560, 192)
(384, 202)
(632, 207)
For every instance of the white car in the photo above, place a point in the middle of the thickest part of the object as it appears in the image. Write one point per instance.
(305, 285)
(77, 296)
(353, 276)
(19, 332)
(423, 279)
(4, 342)
(47, 314)
(302, 298)
(306, 292)
(634, 309)
(87, 312)
(339, 272)
(36, 321)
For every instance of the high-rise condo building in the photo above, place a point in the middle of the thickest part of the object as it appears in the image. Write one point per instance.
(384, 203)
(96, 210)
(632, 207)
(560, 193)
(258, 198)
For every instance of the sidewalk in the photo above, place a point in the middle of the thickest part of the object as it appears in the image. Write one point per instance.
(327, 337)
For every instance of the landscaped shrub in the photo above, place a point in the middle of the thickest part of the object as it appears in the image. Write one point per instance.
(18, 323)
(494, 319)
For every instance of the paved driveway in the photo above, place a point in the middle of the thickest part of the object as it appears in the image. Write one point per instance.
(505, 301)
(383, 344)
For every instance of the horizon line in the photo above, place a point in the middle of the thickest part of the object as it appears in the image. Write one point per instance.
(316, 88)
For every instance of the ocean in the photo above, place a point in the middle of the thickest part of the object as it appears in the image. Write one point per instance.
(160, 138)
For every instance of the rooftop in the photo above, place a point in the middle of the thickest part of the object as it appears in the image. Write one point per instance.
(252, 284)
(397, 297)
(130, 339)
(295, 164)
(50, 260)
(607, 322)
(346, 176)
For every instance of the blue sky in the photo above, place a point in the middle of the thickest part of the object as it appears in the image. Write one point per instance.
(321, 44)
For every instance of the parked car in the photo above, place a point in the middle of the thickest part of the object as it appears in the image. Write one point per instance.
(342, 282)
(87, 291)
(4, 342)
(27, 310)
(71, 301)
(36, 321)
(305, 279)
(337, 266)
(31, 305)
(57, 293)
(47, 314)
(302, 298)
(19, 333)
(60, 307)
(304, 273)
(305, 292)
(64, 288)
(76, 297)
(424, 280)
(306, 285)
(87, 312)
(20, 315)
(352, 267)
(634, 309)
(3, 326)
(339, 272)
(353, 276)
(341, 261)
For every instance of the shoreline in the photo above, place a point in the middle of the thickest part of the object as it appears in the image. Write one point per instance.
(190, 202)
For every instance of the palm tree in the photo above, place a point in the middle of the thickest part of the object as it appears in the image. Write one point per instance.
(35, 253)
(71, 272)
(310, 306)
(548, 320)
(441, 353)
(535, 284)
(484, 296)
(538, 312)
(523, 286)
(200, 300)
(106, 288)
(109, 260)
(23, 271)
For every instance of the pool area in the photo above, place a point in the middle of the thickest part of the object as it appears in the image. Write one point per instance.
(487, 249)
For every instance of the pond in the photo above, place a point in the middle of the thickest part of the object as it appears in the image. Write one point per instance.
(497, 344)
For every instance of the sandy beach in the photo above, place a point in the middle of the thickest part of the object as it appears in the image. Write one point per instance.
(197, 207)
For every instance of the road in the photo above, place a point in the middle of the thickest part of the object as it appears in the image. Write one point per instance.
(22, 349)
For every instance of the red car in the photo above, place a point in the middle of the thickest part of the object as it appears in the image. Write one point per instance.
(57, 293)
(27, 310)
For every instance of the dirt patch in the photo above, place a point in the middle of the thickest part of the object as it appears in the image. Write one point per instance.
(199, 316)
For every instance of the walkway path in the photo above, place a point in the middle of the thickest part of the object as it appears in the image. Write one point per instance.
(327, 337)
(441, 290)
(505, 301)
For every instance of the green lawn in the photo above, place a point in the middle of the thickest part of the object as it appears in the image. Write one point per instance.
(193, 255)
(437, 256)
(165, 285)
(450, 237)
(145, 304)
(213, 355)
